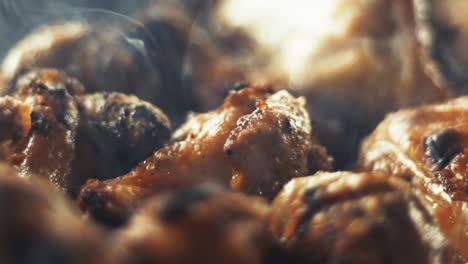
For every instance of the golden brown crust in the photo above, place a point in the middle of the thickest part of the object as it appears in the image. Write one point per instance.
(426, 146)
(344, 217)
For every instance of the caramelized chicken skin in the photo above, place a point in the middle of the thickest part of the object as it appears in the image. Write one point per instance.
(204, 149)
(346, 217)
(200, 224)
(39, 226)
(427, 147)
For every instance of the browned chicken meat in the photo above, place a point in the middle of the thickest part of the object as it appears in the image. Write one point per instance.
(71, 139)
(346, 217)
(38, 226)
(443, 34)
(201, 224)
(48, 148)
(115, 133)
(427, 147)
(253, 129)
(371, 66)
(102, 57)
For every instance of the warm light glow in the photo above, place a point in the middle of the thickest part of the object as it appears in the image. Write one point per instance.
(292, 29)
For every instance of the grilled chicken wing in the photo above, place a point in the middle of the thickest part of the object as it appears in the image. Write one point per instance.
(49, 147)
(38, 225)
(201, 224)
(115, 133)
(427, 147)
(344, 217)
(217, 146)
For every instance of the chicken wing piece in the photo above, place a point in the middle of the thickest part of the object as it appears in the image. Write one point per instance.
(427, 147)
(443, 34)
(273, 144)
(115, 133)
(346, 217)
(200, 224)
(49, 147)
(209, 147)
(38, 225)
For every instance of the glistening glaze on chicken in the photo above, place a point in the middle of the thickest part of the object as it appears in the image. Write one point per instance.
(427, 147)
(201, 151)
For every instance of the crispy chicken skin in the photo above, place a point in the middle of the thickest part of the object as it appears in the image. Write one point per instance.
(371, 67)
(427, 147)
(39, 226)
(49, 147)
(200, 224)
(209, 147)
(346, 217)
(115, 133)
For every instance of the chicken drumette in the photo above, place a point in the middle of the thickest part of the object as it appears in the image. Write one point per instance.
(345, 217)
(201, 224)
(115, 133)
(427, 147)
(255, 142)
